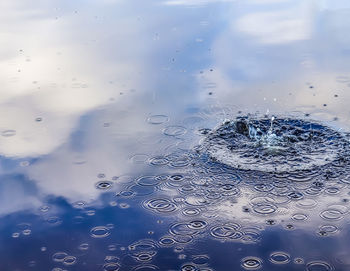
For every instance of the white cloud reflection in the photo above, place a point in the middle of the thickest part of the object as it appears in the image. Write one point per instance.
(278, 27)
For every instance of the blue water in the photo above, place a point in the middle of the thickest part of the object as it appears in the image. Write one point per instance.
(103, 105)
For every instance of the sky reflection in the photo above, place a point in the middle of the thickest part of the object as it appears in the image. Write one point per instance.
(98, 91)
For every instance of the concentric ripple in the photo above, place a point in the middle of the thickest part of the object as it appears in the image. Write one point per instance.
(275, 145)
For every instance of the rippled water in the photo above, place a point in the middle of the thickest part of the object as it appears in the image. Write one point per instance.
(174, 135)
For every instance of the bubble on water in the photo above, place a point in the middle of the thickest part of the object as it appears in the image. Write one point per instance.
(8, 133)
(279, 257)
(15, 235)
(174, 130)
(251, 263)
(318, 266)
(157, 119)
(99, 232)
(104, 185)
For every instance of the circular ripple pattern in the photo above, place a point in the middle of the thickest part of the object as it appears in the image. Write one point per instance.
(251, 263)
(275, 145)
(319, 266)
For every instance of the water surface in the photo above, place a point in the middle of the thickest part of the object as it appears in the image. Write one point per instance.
(105, 104)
